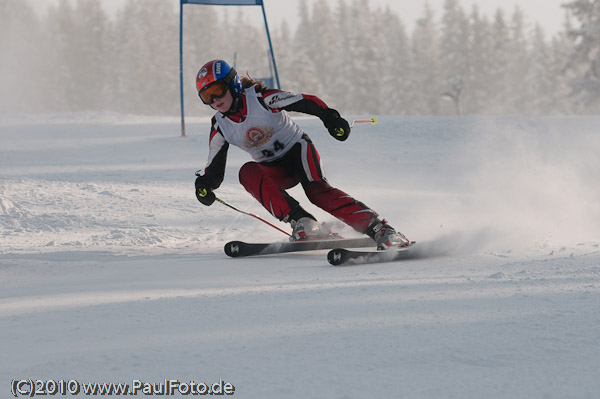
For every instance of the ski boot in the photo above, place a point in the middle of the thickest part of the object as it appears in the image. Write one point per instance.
(307, 228)
(386, 236)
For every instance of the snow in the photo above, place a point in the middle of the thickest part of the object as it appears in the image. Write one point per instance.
(111, 271)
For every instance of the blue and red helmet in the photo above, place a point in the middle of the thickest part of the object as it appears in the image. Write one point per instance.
(215, 78)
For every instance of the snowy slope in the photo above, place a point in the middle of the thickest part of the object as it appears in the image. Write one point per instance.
(110, 270)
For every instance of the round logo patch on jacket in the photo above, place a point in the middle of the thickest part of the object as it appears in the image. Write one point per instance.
(257, 136)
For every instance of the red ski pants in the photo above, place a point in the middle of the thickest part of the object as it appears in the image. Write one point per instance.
(267, 183)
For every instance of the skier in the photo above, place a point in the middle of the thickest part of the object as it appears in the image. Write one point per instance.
(253, 118)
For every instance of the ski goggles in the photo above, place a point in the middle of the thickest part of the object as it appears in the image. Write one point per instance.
(213, 91)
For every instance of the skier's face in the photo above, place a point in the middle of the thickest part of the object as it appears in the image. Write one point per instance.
(223, 104)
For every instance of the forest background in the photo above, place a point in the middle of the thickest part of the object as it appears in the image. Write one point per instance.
(75, 57)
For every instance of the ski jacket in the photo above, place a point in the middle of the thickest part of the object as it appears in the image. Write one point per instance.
(260, 127)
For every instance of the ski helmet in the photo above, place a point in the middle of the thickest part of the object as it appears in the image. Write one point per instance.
(215, 78)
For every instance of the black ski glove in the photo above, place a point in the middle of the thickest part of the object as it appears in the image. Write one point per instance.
(338, 127)
(203, 191)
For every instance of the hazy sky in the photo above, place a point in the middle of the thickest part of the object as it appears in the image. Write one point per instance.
(548, 13)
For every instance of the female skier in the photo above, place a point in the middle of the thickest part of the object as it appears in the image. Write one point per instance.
(253, 118)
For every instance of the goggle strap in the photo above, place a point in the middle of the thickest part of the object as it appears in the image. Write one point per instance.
(229, 77)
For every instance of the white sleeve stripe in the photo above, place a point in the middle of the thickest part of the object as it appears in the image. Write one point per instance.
(215, 145)
(304, 156)
(281, 99)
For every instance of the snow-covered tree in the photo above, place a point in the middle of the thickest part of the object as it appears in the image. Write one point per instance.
(147, 58)
(518, 96)
(396, 65)
(355, 57)
(561, 47)
(365, 82)
(478, 78)
(540, 78)
(204, 39)
(282, 39)
(62, 28)
(585, 58)
(324, 47)
(303, 68)
(89, 75)
(454, 53)
(425, 74)
(499, 83)
(21, 61)
(342, 78)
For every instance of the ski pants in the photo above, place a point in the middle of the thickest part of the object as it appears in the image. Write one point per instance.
(268, 181)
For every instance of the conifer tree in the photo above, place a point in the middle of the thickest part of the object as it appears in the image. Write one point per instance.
(518, 96)
(499, 83)
(454, 53)
(89, 75)
(541, 79)
(585, 58)
(395, 65)
(21, 59)
(478, 97)
(425, 74)
(204, 39)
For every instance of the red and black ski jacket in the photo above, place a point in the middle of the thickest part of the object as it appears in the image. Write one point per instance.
(273, 100)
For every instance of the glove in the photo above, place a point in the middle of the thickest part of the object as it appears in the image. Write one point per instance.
(204, 193)
(338, 127)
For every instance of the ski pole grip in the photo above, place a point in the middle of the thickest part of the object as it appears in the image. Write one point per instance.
(372, 121)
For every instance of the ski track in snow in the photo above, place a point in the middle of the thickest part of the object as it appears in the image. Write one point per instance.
(110, 270)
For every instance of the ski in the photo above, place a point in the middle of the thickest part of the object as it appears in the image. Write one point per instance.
(341, 256)
(237, 249)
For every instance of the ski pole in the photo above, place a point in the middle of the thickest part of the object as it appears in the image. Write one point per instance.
(372, 121)
(253, 215)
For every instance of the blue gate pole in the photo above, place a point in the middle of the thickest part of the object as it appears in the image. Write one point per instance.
(262, 5)
(181, 66)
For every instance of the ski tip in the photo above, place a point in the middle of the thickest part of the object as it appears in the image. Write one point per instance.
(337, 256)
(232, 248)
(340, 256)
